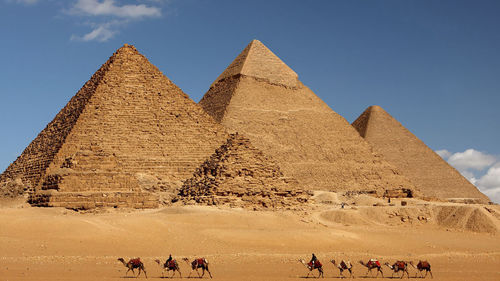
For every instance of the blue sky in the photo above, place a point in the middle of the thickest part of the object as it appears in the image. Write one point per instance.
(433, 65)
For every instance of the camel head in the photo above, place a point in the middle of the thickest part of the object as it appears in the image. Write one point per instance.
(158, 261)
(333, 261)
(185, 259)
(121, 259)
(362, 263)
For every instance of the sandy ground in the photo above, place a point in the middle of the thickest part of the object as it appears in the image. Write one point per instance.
(58, 244)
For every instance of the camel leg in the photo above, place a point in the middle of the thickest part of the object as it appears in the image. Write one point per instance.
(210, 274)
(197, 272)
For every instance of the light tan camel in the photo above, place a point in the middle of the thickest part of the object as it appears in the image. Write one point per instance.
(423, 265)
(133, 264)
(198, 263)
(399, 266)
(372, 264)
(317, 265)
(170, 265)
(343, 265)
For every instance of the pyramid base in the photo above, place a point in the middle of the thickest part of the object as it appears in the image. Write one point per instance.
(91, 200)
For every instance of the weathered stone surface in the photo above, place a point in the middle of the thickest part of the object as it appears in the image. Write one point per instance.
(241, 175)
(128, 130)
(257, 61)
(428, 171)
(290, 123)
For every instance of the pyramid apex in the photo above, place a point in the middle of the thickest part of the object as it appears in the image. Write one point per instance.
(126, 48)
(376, 108)
(257, 61)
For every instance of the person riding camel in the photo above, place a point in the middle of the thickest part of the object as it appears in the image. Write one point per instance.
(169, 259)
(313, 260)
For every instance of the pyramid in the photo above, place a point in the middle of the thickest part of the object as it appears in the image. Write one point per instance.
(128, 133)
(427, 170)
(259, 96)
(241, 175)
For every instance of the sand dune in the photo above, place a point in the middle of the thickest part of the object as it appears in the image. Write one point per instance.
(461, 241)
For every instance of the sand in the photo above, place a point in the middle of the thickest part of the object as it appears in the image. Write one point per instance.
(59, 244)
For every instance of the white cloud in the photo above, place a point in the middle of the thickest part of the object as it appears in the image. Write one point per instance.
(493, 194)
(492, 178)
(471, 159)
(445, 154)
(101, 33)
(469, 176)
(108, 17)
(110, 8)
(470, 163)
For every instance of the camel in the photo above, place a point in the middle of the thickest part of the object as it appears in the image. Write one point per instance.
(198, 263)
(399, 266)
(343, 266)
(423, 265)
(133, 264)
(167, 266)
(317, 265)
(371, 264)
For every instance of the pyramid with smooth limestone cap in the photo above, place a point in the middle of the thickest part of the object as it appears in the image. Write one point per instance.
(427, 170)
(261, 97)
(126, 135)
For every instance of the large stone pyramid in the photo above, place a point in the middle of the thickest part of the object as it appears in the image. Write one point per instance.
(427, 170)
(261, 97)
(241, 175)
(128, 133)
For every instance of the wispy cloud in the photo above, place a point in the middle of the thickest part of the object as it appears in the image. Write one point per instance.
(470, 162)
(110, 8)
(107, 17)
(100, 32)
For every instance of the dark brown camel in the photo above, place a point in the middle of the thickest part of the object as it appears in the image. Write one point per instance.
(133, 264)
(343, 265)
(423, 265)
(399, 266)
(372, 264)
(317, 265)
(169, 265)
(198, 263)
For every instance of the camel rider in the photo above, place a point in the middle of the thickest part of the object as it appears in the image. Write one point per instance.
(313, 260)
(169, 258)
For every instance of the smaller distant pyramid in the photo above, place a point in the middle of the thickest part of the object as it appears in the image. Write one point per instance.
(241, 175)
(433, 176)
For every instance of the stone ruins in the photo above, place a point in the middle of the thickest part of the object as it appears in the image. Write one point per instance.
(241, 175)
(258, 139)
(428, 171)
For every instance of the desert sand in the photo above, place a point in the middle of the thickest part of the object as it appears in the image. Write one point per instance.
(460, 241)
